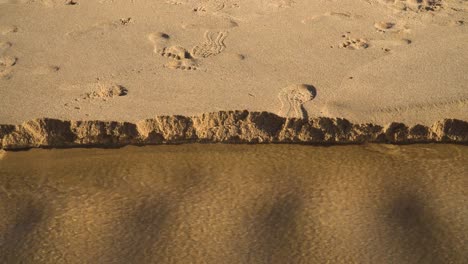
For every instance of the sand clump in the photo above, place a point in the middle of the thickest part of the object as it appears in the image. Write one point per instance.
(6, 64)
(105, 91)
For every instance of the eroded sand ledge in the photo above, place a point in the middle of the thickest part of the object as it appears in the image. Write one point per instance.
(222, 127)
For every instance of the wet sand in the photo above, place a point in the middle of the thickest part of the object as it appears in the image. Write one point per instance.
(235, 204)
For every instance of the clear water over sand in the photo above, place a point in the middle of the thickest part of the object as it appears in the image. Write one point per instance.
(235, 204)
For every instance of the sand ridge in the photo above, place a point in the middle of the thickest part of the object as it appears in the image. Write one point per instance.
(224, 127)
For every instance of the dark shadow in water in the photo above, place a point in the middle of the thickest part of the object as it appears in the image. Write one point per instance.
(414, 230)
(16, 239)
(139, 235)
(274, 230)
(146, 225)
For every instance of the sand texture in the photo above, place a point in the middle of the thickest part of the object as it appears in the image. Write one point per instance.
(368, 61)
(235, 204)
(223, 127)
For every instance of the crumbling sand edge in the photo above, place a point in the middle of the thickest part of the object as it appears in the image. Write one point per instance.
(222, 127)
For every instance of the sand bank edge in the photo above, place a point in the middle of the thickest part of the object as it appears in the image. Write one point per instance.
(222, 127)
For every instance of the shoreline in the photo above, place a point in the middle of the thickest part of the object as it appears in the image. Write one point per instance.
(222, 127)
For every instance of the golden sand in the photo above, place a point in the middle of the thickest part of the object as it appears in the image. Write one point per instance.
(235, 204)
(369, 61)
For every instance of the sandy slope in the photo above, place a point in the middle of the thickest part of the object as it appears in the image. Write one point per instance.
(366, 60)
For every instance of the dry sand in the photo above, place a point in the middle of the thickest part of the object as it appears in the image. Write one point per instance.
(287, 67)
(365, 60)
(235, 204)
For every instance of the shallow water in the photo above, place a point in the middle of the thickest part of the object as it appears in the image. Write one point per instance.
(235, 204)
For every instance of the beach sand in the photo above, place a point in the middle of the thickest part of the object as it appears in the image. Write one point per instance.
(110, 73)
(366, 60)
(235, 204)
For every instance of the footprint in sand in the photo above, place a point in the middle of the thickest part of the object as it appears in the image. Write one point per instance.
(96, 91)
(175, 52)
(213, 45)
(93, 93)
(181, 58)
(391, 27)
(336, 15)
(293, 98)
(384, 26)
(101, 28)
(203, 7)
(6, 65)
(211, 24)
(4, 46)
(185, 64)
(4, 29)
(176, 2)
(14, 1)
(353, 43)
(6, 62)
(360, 43)
(280, 3)
(209, 7)
(226, 8)
(48, 3)
(388, 44)
(457, 23)
(104, 91)
(414, 5)
(159, 40)
(48, 69)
